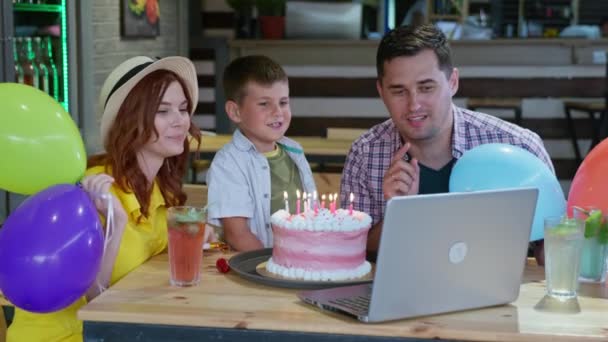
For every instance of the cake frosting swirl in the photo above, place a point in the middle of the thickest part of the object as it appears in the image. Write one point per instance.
(320, 245)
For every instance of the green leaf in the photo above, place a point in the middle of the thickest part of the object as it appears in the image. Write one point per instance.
(593, 224)
(602, 236)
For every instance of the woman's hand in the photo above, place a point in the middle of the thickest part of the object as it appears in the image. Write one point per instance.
(98, 188)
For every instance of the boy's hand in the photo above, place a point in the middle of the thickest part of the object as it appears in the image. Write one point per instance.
(402, 177)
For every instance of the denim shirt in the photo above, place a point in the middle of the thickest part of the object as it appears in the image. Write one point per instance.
(239, 183)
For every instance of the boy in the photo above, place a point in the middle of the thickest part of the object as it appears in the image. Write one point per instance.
(249, 175)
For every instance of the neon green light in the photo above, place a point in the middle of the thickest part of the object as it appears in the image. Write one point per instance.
(64, 56)
(22, 7)
(61, 9)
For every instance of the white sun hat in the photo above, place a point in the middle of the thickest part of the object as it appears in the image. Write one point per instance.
(121, 81)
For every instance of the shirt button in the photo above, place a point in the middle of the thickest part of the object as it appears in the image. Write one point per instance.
(265, 195)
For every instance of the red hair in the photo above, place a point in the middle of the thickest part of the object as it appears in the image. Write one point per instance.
(132, 129)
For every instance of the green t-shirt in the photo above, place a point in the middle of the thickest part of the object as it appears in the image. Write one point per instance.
(435, 181)
(284, 176)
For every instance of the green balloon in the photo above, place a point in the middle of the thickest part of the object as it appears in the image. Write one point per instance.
(40, 145)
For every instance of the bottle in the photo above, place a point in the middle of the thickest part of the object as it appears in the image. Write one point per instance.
(26, 59)
(43, 70)
(18, 69)
(49, 62)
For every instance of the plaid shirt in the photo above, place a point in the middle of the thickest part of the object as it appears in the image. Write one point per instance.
(370, 155)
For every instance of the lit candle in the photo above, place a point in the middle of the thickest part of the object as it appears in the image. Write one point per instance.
(323, 201)
(315, 203)
(335, 201)
(304, 202)
(308, 201)
(286, 202)
(350, 206)
(332, 204)
(297, 202)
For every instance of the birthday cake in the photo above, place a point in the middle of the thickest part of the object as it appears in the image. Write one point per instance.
(320, 245)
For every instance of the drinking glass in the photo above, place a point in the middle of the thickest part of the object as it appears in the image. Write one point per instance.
(186, 236)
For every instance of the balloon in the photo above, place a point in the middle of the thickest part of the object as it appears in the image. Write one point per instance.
(50, 249)
(501, 166)
(41, 146)
(590, 184)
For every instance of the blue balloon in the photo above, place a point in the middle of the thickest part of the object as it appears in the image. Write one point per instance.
(502, 166)
(50, 249)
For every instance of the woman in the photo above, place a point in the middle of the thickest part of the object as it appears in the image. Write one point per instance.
(145, 107)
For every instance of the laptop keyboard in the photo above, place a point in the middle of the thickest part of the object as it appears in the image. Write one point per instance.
(357, 303)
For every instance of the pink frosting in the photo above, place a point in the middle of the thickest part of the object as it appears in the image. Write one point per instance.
(312, 250)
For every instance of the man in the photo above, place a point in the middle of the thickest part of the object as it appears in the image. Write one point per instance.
(414, 151)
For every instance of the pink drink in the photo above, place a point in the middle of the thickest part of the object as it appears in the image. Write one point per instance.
(186, 237)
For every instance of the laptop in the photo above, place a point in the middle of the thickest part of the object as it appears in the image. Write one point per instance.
(441, 253)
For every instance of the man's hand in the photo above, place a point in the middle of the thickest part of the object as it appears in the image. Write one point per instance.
(402, 177)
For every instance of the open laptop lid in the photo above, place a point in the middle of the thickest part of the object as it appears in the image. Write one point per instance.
(453, 251)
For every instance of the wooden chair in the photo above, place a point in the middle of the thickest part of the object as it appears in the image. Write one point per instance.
(327, 183)
(497, 103)
(337, 133)
(591, 108)
(200, 165)
(197, 197)
(197, 194)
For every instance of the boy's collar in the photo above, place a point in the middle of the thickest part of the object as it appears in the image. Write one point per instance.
(244, 144)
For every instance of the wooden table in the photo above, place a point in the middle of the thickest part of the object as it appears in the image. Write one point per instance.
(144, 307)
(317, 149)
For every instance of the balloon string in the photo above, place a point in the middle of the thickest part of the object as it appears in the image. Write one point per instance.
(108, 232)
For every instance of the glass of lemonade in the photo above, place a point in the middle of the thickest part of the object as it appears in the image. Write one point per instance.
(595, 244)
(186, 237)
(563, 245)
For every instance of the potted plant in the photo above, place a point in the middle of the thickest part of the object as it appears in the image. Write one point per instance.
(243, 21)
(271, 14)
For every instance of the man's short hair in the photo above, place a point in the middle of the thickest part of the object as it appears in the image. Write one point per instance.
(410, 41)
(259, 69)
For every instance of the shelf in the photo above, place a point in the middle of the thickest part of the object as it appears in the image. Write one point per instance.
(37, 8)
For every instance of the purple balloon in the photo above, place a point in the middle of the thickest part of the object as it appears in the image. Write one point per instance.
(50, 249)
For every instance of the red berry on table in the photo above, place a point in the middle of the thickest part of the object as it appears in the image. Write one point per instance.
(222, 265)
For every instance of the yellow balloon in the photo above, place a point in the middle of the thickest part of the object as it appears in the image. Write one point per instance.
(40, 145)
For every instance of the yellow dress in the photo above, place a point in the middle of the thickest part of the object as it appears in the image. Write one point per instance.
(140, 241)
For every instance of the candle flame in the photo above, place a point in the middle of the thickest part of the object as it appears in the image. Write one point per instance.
(285, 195)
(314, 194)
(323, 197)
(298, 193)
(352, 197)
